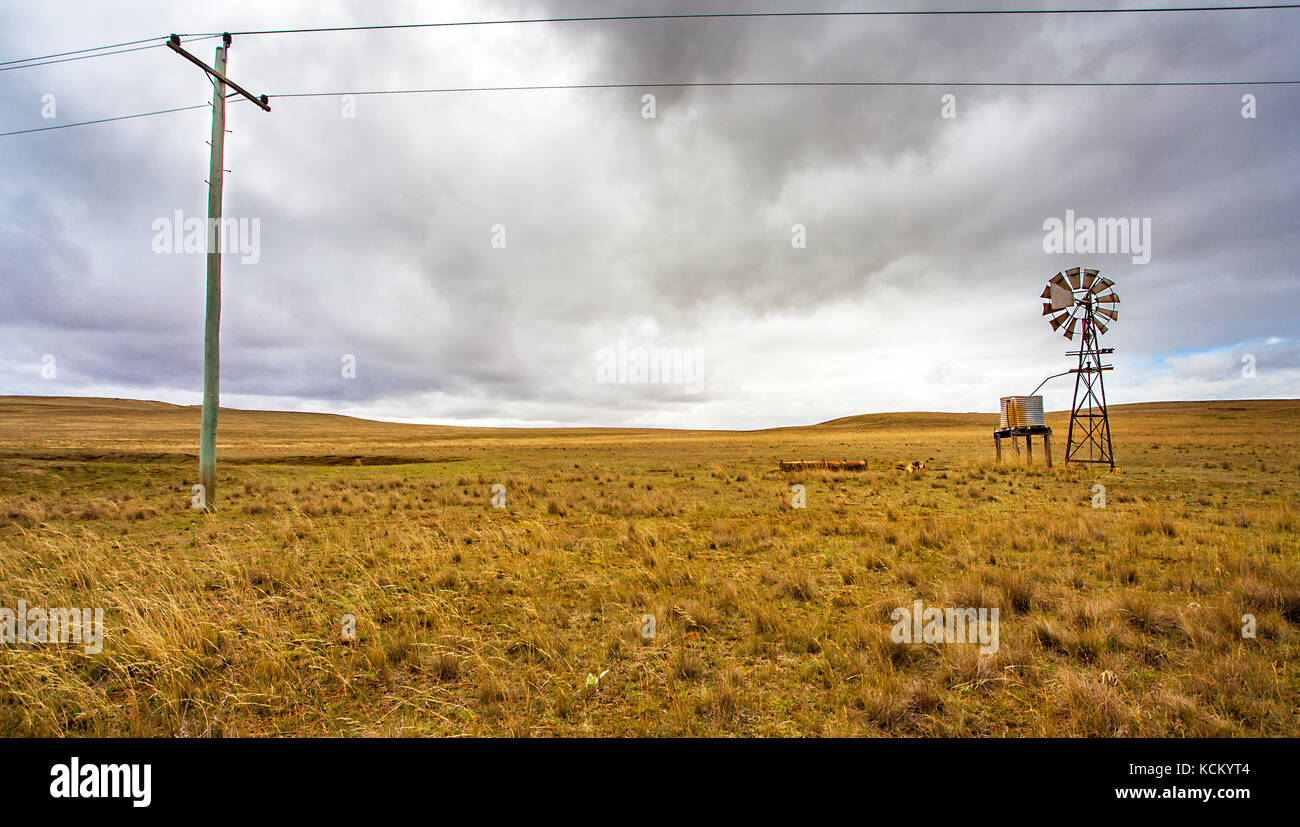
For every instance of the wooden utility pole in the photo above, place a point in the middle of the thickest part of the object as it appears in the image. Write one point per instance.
(212, 319)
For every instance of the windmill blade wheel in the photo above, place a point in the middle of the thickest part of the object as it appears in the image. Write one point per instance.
(1069, 297)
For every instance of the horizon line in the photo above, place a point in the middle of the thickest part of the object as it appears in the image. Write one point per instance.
(1063, 412)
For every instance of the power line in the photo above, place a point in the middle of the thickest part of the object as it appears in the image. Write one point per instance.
(699, 84)
(106, 120)
(82, 57)
(103, 51)
(80, 51)
(751, 15)
(689, 16)
(81, 54)
(42, 60)
(791, 84)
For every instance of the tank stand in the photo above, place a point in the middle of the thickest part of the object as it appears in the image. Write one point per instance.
(1028, 433)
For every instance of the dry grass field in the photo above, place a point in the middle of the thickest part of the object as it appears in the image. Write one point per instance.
(527, 620)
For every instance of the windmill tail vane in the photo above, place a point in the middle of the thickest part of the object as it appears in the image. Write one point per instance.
(1083, 301)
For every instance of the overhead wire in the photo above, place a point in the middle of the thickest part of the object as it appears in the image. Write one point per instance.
(80, 51)
(135, 45)
(105, 120)
(694, 85)
(777, 84)
(87, 54)
(786, 14)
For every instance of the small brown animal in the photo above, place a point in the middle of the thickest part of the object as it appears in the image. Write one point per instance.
(913, 467)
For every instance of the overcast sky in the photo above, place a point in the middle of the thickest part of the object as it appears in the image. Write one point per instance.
(380, 220)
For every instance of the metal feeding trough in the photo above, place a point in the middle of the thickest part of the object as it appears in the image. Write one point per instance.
(1023, 416)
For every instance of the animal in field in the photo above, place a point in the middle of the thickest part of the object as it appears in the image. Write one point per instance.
(915, 466)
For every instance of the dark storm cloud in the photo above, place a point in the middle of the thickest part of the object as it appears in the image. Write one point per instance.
(917, 288)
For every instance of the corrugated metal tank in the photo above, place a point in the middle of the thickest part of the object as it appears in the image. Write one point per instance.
(1022, 412)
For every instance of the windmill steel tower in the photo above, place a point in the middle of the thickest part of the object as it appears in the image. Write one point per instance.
(1079, 299)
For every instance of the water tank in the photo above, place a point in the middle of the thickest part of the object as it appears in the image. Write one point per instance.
(1022, 412)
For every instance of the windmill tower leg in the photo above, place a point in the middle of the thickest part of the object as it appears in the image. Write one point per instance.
(1093, 426)
(1074, 412)
(1105, 419)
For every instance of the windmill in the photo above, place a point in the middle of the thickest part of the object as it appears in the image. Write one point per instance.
(1080, 301)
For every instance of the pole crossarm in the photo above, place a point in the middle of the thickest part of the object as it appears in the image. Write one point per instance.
(174, 43)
